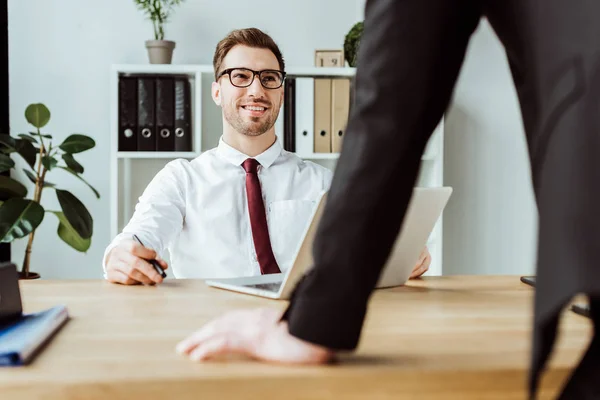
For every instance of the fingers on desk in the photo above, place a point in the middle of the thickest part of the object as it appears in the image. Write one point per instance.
(128, 267)
(223, 344)
(422, 265)
(208, 342)
(231, 333)
(117, 276)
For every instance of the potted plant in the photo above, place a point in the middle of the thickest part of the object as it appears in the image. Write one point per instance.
(19, 216)
(351, 43)
(160, 51)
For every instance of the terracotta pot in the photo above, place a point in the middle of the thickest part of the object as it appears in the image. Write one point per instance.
(160, 51)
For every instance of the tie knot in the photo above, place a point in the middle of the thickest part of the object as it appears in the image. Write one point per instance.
(250, 165)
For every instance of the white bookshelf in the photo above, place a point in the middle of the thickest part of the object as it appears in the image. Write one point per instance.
(156, 154)
(132, 171)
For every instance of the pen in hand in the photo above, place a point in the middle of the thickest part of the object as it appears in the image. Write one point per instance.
(154, 263)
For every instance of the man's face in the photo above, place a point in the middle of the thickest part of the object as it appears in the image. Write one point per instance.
(250, 110)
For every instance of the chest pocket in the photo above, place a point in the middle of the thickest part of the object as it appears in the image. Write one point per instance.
(287, 220)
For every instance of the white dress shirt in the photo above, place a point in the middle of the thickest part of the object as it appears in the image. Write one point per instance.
(198, 211)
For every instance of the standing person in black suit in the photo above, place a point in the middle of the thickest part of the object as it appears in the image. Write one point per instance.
(410, 56)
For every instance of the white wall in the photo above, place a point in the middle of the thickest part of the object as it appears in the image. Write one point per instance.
(60, 53)
(490, 222)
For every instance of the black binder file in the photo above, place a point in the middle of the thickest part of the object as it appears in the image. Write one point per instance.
(183, 126)
(127, 114)
(165, 113)
(146, 139)
(289, 114)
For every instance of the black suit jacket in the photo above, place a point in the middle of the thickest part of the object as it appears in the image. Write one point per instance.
(409, 59)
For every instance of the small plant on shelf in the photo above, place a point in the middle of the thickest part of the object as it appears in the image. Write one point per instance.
(352, 42)
(160, 51)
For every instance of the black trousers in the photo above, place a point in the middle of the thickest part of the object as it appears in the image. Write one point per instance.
(409, 59)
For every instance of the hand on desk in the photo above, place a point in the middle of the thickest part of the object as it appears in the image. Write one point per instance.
(256, 333)
(260, 334)
(422, 265)
(126, 264)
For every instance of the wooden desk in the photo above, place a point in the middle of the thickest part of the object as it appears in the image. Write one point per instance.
(436, 338)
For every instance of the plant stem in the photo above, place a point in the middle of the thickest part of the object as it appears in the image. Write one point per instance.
(157, 21)
(155, 26)
(37, 197)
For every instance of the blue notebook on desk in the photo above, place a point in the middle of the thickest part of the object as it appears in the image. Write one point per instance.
(23, 335)
(21, 339)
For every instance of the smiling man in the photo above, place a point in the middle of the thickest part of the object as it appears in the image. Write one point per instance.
(238, 209)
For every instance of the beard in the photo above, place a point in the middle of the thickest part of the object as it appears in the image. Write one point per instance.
(252, 126)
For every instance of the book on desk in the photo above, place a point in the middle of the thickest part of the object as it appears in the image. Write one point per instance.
(21, 339)
(22, 336)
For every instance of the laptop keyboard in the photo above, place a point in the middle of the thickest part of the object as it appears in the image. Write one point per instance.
(271, 287)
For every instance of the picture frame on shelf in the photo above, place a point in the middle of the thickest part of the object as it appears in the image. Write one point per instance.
(329, 58)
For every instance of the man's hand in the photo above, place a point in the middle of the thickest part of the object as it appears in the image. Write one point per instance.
(255, 333)
(126, 264)
(422, 265)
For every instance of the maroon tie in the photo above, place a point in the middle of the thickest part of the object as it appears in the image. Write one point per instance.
(258, 220)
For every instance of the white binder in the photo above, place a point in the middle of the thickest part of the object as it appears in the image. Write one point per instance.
(305, 123)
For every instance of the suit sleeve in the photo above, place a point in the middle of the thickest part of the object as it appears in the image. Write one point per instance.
(408, 62)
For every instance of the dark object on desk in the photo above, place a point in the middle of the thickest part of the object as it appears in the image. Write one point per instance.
(154, 263)
(530, 280)
(10, 297)
(22, 336)
(581, 309)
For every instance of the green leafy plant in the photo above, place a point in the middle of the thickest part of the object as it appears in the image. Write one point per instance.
(19, 216)
(157, 11)
(351, 43)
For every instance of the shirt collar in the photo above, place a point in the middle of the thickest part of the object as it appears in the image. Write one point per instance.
(236, 157)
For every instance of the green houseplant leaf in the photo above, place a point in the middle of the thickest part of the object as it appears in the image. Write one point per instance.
(352, 42)
(37, 115)
(32, 178)
(10, 187)
(69, 235)
(27, 151)
(6, 163)
(42, 135)
(72, 163)
(49, 162)
(18, 218)
(9, 142)
(28, 137)
(83, 180)
(23, 147)
(77, 143)
(76, 213)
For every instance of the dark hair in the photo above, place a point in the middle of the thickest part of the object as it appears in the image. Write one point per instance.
(251, 37)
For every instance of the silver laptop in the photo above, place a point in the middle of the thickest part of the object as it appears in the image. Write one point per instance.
(425, 208)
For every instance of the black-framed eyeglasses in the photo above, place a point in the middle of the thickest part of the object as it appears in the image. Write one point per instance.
(243, 77)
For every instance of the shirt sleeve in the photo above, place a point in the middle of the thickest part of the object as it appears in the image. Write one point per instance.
(159, 213)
